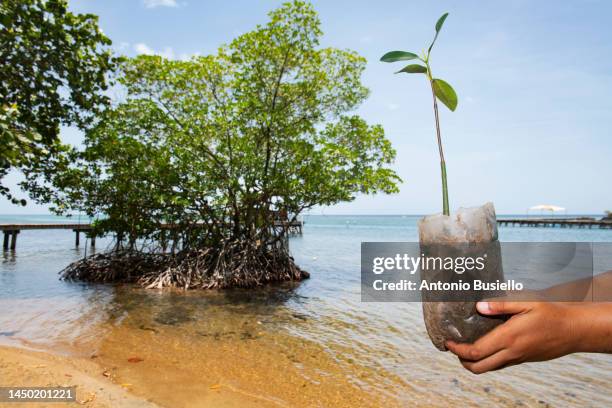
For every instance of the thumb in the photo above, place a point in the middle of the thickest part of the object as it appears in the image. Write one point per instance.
(492, 307)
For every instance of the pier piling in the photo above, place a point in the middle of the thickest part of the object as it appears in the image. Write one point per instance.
(10, 237)
(14, 240)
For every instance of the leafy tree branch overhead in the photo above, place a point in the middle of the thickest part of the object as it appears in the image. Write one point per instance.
(53, 71)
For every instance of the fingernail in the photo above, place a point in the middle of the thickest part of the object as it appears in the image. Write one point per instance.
(483, 307)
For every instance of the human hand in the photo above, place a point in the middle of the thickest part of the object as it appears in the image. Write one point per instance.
(537, 331)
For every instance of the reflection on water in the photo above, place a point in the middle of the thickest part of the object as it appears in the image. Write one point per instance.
(311, 344)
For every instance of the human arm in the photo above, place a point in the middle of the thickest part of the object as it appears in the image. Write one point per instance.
(537, 331)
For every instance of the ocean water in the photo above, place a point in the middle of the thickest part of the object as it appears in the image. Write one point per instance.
(316, 337)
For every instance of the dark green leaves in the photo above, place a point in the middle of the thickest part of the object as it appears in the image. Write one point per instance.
(413, 69)
(394, 56)
(54, 72)
(440, 22)
(445, 93)
(439, 25)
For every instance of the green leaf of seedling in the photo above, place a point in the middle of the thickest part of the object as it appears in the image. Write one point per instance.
(445, 93)
(440, 22)
(394, 56)
(413, 69)
(439, 25)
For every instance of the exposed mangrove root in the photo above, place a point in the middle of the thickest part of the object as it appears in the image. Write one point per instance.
(234, 264)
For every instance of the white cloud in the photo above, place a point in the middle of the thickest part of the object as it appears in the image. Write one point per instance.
(142, 48)
(160, 3)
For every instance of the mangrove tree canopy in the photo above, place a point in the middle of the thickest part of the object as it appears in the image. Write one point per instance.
(219, 146)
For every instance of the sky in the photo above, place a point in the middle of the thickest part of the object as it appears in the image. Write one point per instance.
(533, 80)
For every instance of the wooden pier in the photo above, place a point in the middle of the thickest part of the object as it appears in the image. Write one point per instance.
(292, 227)
(12, 230)
(556, 222)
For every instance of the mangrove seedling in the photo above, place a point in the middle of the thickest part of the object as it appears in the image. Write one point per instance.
(440, 90)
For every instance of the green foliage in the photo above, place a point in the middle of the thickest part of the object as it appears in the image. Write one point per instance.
(413, 69)
(440, 22)
(445, 93)
(394, 56)
(440, 89)
(16, 146)
(53, 67)
(439, 25)
(263, 125)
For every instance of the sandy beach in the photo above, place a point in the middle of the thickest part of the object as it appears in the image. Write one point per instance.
(27, 368)
(96, 385)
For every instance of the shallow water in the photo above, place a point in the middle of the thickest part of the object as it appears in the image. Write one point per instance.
(313, 344)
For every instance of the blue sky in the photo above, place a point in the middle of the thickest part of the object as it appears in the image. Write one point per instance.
(533, 79)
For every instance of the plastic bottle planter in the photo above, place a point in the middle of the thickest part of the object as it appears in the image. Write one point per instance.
(470, 232)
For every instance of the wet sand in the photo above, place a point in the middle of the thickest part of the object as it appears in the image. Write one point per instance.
(98, 386)
(264, 368)
(144, 368)
(25, 368)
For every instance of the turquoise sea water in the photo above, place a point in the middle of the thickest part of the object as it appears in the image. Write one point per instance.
(40, 311)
